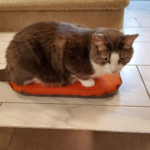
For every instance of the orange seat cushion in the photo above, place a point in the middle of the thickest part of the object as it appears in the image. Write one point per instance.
(106, 84)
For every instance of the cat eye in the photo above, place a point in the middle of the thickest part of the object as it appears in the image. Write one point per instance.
(122, 59)
(106, 59)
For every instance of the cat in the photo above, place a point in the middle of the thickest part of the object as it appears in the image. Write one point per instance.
(59, 54)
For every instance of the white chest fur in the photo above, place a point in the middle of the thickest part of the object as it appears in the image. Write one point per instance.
(98, 70)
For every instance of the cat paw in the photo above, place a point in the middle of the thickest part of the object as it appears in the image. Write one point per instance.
(87, 83)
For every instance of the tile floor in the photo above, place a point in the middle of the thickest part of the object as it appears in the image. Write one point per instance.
(127, 110)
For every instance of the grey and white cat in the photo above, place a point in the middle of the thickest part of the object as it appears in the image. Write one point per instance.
(58, 54)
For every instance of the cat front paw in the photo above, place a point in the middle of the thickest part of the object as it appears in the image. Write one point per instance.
(87, 83)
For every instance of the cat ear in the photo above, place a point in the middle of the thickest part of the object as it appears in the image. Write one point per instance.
(98, 40)
(127, 43)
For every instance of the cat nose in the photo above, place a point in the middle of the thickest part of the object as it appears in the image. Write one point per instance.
(114, 72)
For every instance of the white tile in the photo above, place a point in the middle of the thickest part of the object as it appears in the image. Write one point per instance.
(139, 5)
(2, 60)
(131, 93)
(130, 22)
(2, 66)
(137, 13)
(141, 54)
(144, 22)
(145, 72)
(107, 118)
(6, 36)
(3, 47)
(144, 33)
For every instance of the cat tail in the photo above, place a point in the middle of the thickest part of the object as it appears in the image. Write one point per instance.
(4, 76)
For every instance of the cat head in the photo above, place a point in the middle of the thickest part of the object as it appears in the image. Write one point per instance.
(111, 49)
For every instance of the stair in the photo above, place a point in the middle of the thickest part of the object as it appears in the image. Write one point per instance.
(16, 14)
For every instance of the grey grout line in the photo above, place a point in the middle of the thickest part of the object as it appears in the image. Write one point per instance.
(79, 104)
(136, 65)
(142, 42)
(140, 17)
(127, 16)
(11, 139)
(137, 22)
(143, 65)
(143, 81)
(136, 17)
(138, 27)
(133, 27)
